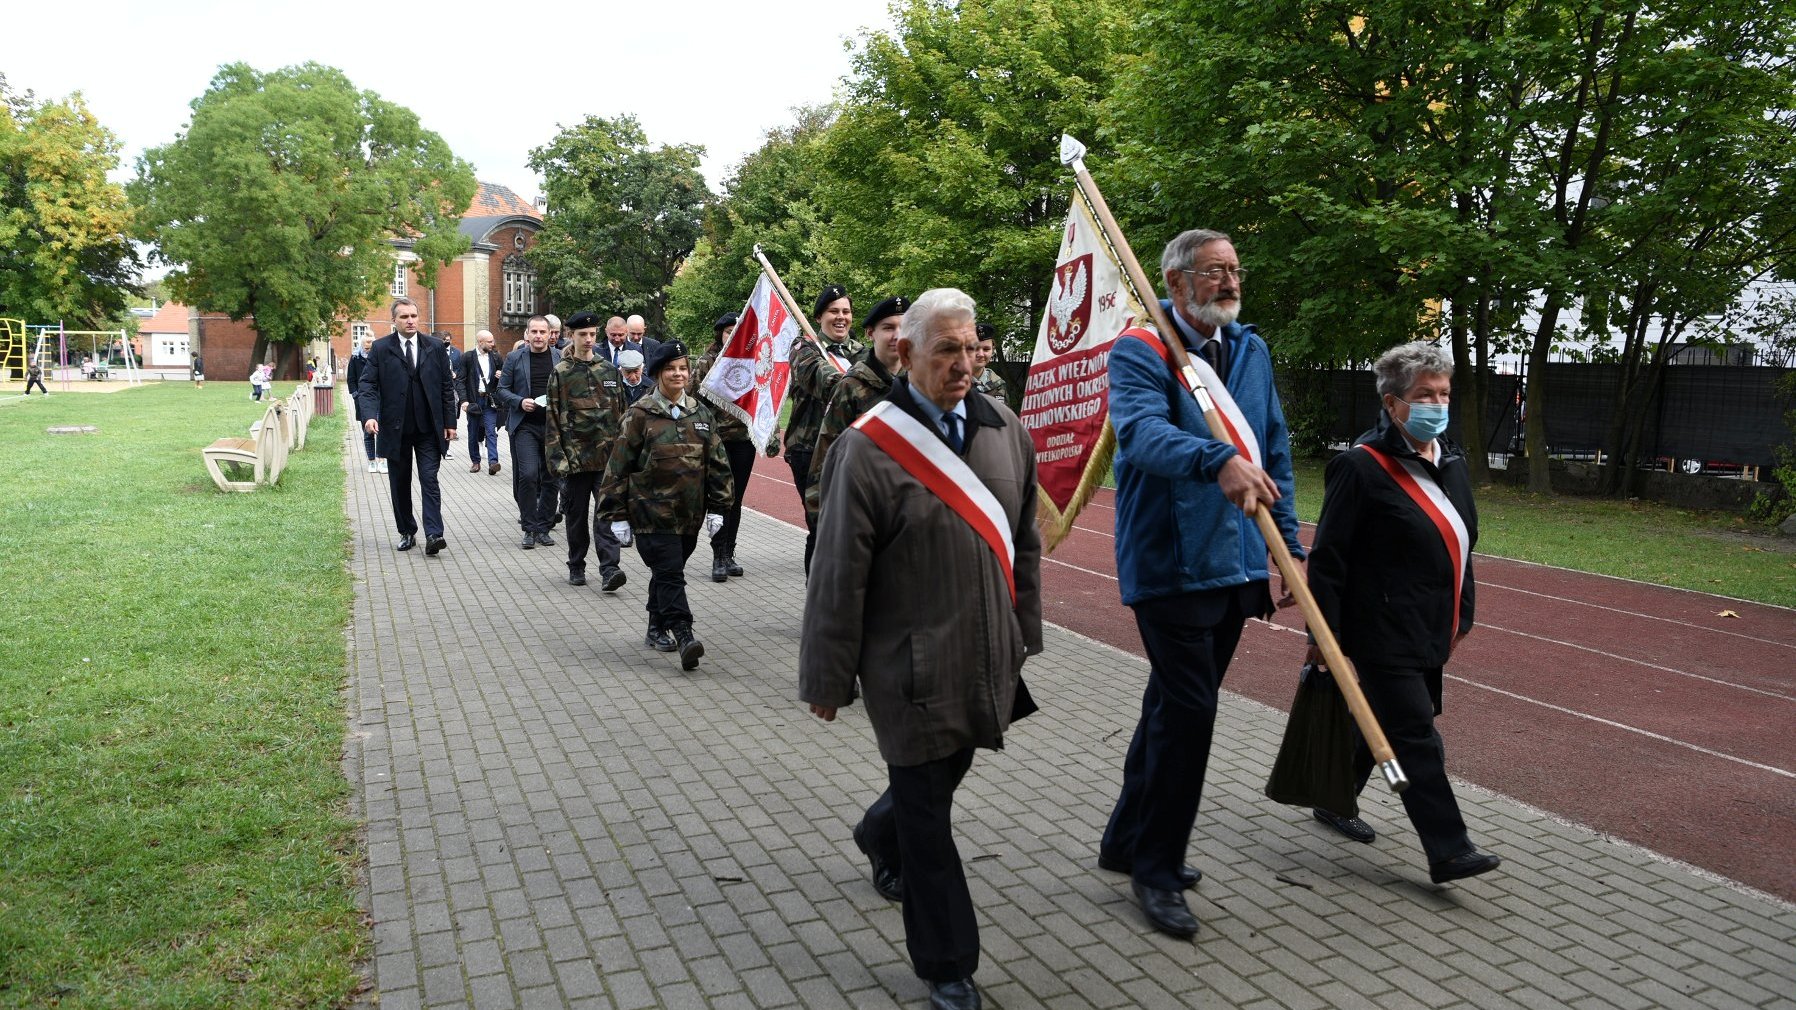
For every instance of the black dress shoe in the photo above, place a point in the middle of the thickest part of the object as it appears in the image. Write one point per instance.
(1188, 875)
(720, 572)
(1466, 864)
(406, 542)
(612, 579)
(528, 542)
(1351, 828)
(885, 877)
(544, 540)
(576, 577)
(730, 565)
(434, 544)
(961, 995)
(1166, 911)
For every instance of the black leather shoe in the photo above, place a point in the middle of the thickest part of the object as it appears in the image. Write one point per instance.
(544, 540)
(612, 579)
(432, 545)
(885, 878)
(1188, 875)
(1466, 864)
(689, 645)
(720, 572)
(659, 640)
(1351, 828)
(961, 995)
(1166, 911)
(730, 565)
(576, 577)
(406, 543)
(528, 542)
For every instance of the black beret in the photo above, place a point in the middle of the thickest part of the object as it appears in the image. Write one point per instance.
(897, 305)
(663, 353)
(583, 321)
(985, 331)
(830, 294)
(725, 321)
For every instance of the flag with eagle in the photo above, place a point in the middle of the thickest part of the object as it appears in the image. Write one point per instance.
(1066, 401)
(750, 376)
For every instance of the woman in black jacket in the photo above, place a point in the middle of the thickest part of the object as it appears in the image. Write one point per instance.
(1392, 571)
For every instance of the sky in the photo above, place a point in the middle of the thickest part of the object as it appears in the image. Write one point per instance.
(494, 79)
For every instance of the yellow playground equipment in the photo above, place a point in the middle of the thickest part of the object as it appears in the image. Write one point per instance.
(13, 341)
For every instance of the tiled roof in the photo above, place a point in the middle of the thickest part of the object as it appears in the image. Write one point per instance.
(494, 200)
(170, 318)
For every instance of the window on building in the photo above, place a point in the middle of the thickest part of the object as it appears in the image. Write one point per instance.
(399, 286)
(518, 281)
(169, 350)
(359, 334)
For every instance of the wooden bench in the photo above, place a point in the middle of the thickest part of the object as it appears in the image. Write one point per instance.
(263, 454)
(301, 405)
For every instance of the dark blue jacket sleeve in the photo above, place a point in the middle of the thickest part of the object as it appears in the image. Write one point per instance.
(1142, 388)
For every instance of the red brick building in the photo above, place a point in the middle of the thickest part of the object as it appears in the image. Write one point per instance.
(489, 287)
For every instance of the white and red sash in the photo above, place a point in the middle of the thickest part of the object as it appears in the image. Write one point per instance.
(924, 456)
(1211, 391)
(1428, 495)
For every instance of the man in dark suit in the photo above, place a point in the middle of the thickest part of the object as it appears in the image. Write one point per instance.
(524, 391)
(406, 392)
(480, 369)
(618, 339)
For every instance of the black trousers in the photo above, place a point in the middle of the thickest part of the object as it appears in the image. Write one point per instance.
(940, 930)
(800, 462)
(584, 529)
(38, 381)
(665, 554)
(742, 463)
(532, 486)
(1189, 639)
(425, 449)
(1404, 703)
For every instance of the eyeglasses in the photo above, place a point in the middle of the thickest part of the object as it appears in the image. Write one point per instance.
(1217, 273)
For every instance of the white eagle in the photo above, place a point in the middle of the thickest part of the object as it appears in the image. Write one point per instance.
(1066, 301)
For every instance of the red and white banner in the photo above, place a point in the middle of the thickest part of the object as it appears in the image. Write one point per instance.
(1432, 499)
(750, 376)
(1066, 401)
(947, 476)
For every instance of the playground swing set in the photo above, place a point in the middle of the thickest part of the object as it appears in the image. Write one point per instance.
(51, 349)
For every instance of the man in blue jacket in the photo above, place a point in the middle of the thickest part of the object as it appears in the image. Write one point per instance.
(1192, 562)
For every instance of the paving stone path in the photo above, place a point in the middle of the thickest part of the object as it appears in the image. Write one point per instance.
(557, 816)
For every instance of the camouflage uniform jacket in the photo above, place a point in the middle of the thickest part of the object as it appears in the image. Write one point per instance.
(866, 384)
(991, 384)
(813, 379)
(665, 473)
(729, 427)
(585, 412)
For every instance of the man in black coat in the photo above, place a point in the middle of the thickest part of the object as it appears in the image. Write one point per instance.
(406, 392)
(523, 391)
(480, 369)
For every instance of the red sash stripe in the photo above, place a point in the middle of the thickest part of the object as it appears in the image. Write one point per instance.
(1226, 411)
(1450, 535)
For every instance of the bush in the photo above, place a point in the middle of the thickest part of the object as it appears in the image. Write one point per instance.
(1778, 502)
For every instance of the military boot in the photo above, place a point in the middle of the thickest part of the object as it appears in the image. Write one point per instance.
(689, 645)
(720, 568)
(730, 565)
(658, 640)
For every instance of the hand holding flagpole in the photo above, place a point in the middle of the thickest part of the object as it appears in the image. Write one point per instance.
(1072, 154)
(792, 306)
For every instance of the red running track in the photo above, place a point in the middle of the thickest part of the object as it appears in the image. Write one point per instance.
(1634, 709)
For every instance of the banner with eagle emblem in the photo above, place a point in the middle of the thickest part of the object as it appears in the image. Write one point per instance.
(1066, 402)
(749, 378)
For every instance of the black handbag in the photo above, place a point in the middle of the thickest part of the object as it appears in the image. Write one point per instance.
(1314, 767)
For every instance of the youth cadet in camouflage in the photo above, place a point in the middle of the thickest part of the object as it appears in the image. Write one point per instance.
(866, 384)
(986, 379)
(814, 378)
(585, 414)
(739, 449)
(667, 480)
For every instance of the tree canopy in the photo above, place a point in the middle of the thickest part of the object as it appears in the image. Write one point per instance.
(281, 198)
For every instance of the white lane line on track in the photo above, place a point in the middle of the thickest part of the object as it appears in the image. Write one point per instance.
(1635, 613)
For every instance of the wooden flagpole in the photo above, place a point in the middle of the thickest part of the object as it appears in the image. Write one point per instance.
(792, 307)
(1072, 154)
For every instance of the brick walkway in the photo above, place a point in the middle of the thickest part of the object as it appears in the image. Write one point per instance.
(557, 816)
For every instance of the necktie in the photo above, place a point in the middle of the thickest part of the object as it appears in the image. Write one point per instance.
(410, 359)
(1212, 352)
(952, 424)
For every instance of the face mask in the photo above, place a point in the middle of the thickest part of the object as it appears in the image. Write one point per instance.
(1426, 420)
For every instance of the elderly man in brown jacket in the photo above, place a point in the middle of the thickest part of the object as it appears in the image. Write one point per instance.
(925, 589)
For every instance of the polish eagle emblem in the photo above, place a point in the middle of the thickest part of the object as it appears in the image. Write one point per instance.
(1069, 304)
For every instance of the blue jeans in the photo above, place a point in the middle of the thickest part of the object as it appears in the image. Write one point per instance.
(480, 421)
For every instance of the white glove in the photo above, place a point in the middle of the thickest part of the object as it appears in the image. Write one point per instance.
(713, 523)
(622, 532)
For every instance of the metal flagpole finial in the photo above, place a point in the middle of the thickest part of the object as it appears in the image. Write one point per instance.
(757, 248)
(1072, 153)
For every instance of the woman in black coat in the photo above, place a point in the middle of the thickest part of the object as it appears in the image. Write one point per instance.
(1392, 571)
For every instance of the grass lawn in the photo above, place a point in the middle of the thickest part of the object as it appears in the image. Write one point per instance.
(173, 817)
(1713, 552)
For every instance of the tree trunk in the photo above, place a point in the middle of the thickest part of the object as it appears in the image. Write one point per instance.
(1540, 477)
(1470, 397)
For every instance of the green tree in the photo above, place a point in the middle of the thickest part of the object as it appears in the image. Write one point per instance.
(622, 218)
(65, 248)
(280, 199)
(943, 167)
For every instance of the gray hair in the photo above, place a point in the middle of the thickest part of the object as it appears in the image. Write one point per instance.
(553, 320)
(1181, 252)
(1399, 368)
(951, 305)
